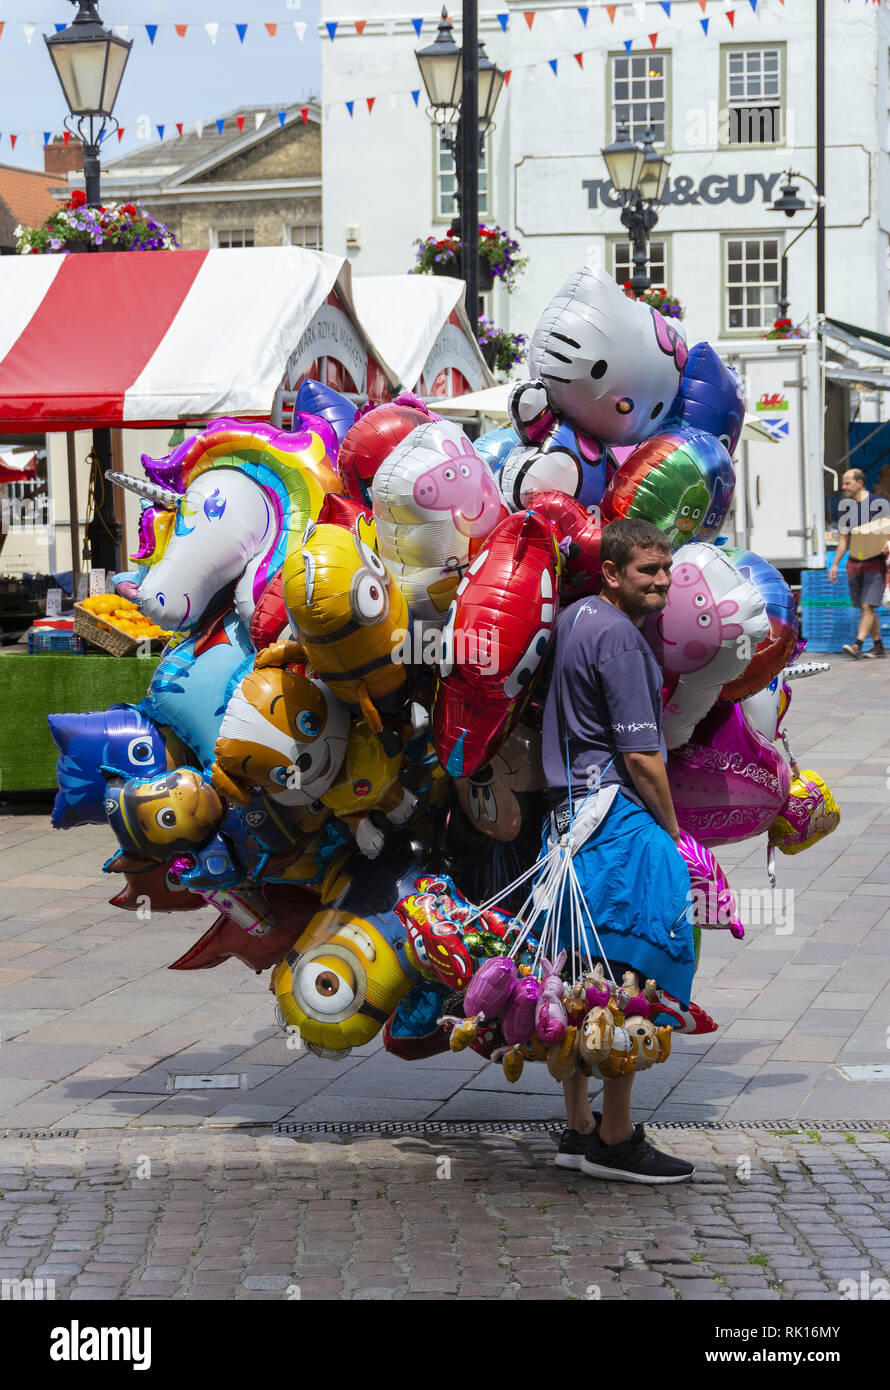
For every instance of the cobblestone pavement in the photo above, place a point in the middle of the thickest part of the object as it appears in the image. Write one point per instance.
(94, 1029)
(160, 1214)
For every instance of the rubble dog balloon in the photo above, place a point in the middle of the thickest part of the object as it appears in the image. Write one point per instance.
(696, 637)
(240, 494)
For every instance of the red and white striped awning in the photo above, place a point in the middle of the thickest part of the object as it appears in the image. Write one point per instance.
(152, 338)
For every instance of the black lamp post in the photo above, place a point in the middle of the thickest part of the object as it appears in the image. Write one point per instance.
(790, 203)
(89, 63)
(639, 175)
(463, 86)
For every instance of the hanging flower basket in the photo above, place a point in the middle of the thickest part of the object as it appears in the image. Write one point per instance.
(499, 257)
(502, 350)
(784, 328)
(110, 227)
(657, 297)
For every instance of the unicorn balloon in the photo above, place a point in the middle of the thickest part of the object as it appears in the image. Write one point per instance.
(223, 508)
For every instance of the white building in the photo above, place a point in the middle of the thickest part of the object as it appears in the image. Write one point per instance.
(717, 245)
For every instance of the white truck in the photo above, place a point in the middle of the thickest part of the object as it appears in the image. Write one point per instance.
(779, 505)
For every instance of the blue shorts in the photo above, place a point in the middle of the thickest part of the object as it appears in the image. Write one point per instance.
(636, 886)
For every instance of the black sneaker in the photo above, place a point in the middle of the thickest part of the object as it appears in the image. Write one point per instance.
(876, 652)
(573, 1145)
(636, 1160)
(853, 649)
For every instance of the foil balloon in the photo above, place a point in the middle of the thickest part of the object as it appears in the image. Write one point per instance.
(610, 365)
(313, 398)
(349, 969)
(370, 440)
(160, 816)
(671, 480)
(777, 648)
(580, 534)
(564, 460)
(809, 814)
(697, 637)
(727, 782)
(269, 622)
(713, 901)
(120, 737)
(282, 734)
(767, 708)
(711, 398)
(494, 447)
(432, 495)
(290, 910)
(494, 799)
(157, 886)
(498, 631)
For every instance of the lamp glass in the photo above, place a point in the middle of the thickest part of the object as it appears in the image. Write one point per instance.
(441, 67)
(90, 72)
(624, 161)
(653, 177)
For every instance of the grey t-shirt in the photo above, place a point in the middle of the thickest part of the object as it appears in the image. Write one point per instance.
(605, 693)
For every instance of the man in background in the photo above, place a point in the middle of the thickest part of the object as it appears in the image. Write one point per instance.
(864, 577)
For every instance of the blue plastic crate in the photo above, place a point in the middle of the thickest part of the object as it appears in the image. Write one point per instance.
(816, 587)
(50, 640)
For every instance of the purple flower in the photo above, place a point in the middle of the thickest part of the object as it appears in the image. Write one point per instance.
(56, 244)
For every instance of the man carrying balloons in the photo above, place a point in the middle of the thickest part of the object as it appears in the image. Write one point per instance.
(604, 758)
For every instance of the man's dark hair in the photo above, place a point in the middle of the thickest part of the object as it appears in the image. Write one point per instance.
(622, 538)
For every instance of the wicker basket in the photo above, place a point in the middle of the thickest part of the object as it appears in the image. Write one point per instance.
(110, 639)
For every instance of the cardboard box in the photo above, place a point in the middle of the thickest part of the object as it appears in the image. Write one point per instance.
(870, 539)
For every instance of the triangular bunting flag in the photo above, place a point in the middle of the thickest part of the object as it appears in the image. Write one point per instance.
(120, 133)
(300, 26)
(611, 11)
(219, 125)
(704, 24)
(239, 121)
(66, 136)
(160, 129)
(122, 30)
(370, 101)
(241, 31)
(47, 136)
(360, 26)
(350, 106)
(181, 29)
(304, 112)
(212, 31)
(29, 31)
(583, 11)
(282, 117)
(179, 128)
(331, 27)
(666, 6)
(702, 4)
(558, 17)
(730, 15)
(151, 30)
(60, 27)
(754, 5)
(507, 75)
(258, 118)
(415, 95)
(553, 62)
(2, 27)
(393, 100)
(13, 138)
(418, 25)
(579, 59)
(628, 45)
(529, 17)
(199, 129)
(503, 21)
(32, 138)
(653, 39)
(389, 27)
(271, 30)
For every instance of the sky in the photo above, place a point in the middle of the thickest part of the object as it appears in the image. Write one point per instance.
(175, 79)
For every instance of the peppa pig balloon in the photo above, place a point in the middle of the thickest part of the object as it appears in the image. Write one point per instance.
(711, 623)
(711, 398)
(610, 365)
(777, 648)
(673, 480)
(727, 782)
(432, 495)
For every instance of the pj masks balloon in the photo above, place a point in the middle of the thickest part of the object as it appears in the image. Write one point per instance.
(710, 398)
(670, 480)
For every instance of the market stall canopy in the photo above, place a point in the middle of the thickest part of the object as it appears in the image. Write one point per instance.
(420, 325)
(164, 336)
(17, 468)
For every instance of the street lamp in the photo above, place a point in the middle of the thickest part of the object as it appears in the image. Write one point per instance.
(89, 63)
(789, 203)
(638, 174)
(462, 82)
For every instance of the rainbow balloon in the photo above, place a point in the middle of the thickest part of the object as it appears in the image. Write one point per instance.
(681, 480)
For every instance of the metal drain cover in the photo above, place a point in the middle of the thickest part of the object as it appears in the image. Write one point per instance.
(866, 1073)
(220, 1081)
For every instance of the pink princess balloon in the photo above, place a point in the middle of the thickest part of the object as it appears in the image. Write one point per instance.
(728, 782)
(713, 901)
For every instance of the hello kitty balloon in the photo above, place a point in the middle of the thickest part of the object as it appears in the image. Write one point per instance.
(712, 623)
(432, 496)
